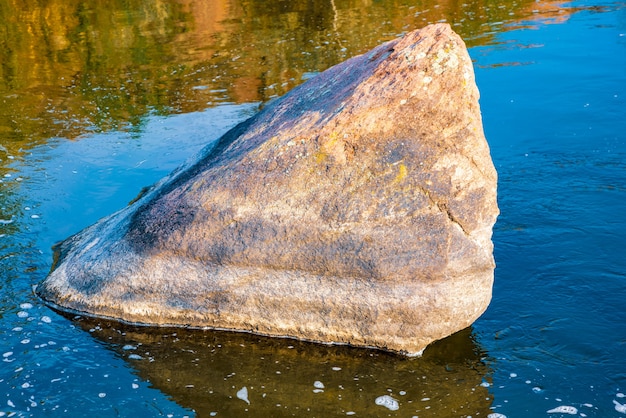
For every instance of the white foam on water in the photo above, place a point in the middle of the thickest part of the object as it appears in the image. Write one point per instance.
(129, 347)
(135, 357)
(336, 368)
(135, 386)
(46, 319)
(243, 395)
(496, 415)
(621, 408)
(388, 402)
(22, 314)
(26, 305)
(485, 384)
(318, 385)
(102, 395)
(620, 395)
(350, 413)
(7, 354)
(564, 409)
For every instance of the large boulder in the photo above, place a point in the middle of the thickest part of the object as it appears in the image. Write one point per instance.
(357, 209)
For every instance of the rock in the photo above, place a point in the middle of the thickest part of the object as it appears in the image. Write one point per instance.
(357, 209)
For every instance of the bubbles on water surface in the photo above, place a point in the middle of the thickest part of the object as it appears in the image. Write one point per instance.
(243, 395)
(388, 402)
(564, 409)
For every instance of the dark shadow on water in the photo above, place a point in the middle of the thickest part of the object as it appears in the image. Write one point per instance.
(207, 371)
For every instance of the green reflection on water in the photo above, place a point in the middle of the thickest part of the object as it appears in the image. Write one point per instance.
(204, 370)
(70, 67)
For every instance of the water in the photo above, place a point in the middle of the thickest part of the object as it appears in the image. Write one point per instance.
(97, 102)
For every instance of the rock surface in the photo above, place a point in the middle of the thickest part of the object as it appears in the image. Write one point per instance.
(356, 209)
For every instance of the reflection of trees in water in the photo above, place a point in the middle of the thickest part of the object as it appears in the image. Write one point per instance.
(69, 67)
(204, 370)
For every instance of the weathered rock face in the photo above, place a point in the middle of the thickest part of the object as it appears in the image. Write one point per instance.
(356, 209)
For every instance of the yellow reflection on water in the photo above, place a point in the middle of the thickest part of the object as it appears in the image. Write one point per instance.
(71, 67)
(207, 371)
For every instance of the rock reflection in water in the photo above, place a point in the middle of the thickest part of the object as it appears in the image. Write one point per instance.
(219, 373)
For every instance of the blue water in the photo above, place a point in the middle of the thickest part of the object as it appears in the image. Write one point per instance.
(553, 98)
(556, 125)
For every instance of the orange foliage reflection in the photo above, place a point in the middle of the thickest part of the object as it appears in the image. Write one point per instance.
(70, 67)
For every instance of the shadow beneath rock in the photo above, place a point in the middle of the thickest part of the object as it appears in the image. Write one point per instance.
(207, 371)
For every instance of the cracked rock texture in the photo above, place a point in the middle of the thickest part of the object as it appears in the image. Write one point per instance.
(356, 209)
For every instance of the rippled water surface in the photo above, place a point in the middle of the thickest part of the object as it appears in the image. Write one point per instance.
(98, 100)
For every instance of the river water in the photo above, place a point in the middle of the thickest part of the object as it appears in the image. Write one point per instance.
(99, 99)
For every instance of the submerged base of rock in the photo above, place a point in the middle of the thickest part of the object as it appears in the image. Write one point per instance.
(357, 209)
